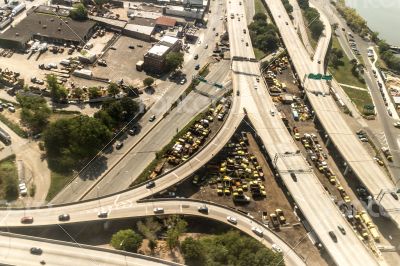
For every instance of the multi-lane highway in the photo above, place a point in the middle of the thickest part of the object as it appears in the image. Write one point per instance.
(356, 156)
(15, 250)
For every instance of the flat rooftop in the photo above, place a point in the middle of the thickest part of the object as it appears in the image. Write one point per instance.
(50, 26)
(158, 50)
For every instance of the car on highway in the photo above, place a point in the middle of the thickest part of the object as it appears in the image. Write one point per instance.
(183, 81)
(63, 217)
(150, 184)
(231, 219)
(394, 195)
(396, 124)
(102, 214)
(131, 47)
(36, 251)
(237, 93)
(119, 145)
(158, 210)
(206, 46)
(196, 56)
(197, 67)
(203, 209)
(152, 118)
(272, 112)
(286, 23)
(333, 236)
(341, 229)
(276, 248)
(294, 177)
(257, 231)
(27, 220)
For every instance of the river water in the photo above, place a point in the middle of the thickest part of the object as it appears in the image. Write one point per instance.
(382, 16)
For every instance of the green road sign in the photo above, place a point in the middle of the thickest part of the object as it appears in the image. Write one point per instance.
(218, 85)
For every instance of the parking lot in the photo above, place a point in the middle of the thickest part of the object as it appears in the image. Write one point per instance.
(121, 62)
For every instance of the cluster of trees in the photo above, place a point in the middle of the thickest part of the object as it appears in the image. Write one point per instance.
(114, 114)
(79, 12)
(35, 111)
(71, 140)
(230, 248)
(388, 57)
(335, 57)
(355, 21)
(8, 179)
(57, 91)
(357, 70)
(148, 81)
(288, 6)
(174, 60)
(312, 16)
(129, 240)
(263, 34)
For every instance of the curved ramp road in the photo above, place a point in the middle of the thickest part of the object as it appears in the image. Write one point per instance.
(15, 250)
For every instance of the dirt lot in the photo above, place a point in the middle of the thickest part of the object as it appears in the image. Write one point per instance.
(276, 198)
(122, 61)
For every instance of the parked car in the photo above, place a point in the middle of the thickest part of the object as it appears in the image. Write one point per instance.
(119, 145)
(152, 118)
(341, 229)
(257, 231)
(63, 217)
(294, 177)
(276, 248)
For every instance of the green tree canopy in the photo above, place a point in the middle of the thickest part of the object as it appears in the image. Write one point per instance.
(113, 89)
(35, 112)
(174, 60)
(304, 4)
(94, 92)
(148, 81)
(79, 12)
(260, 16)
(127, 240)
(68, 141)
(193, 252)
(57, 91)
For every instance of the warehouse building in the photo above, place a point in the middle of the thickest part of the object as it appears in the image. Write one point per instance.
(154, 59)
(47, 28)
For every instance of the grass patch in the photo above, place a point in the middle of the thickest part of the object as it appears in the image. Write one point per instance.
(258, 53)
(14, 127)
(57, 116)
(313, 41)
(8, 179)
(259, 7)
(144, 176)
(359, 97)
(343, 72)
(58, 182)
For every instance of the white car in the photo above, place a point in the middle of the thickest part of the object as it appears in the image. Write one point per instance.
(272, 112)
(257, 231)
(397, 124)
(102, 214)
(231, 219)
(276, 248)
(158, 210)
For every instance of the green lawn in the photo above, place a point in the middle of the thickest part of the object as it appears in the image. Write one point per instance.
(8, 179)
(58, 182)
(258, 53)
(259, 7)
(343, 73)
(359, 97)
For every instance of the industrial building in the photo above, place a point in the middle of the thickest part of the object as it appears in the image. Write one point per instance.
(47, 24)
(154, 59)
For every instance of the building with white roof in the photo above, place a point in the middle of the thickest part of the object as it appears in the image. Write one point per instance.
(154, 59)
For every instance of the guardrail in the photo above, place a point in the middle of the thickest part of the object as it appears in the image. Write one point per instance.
(77, 245)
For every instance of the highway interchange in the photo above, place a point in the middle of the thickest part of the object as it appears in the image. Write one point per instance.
(308, 193)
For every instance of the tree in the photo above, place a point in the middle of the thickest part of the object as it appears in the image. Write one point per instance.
(148, 81)
(113, 89)
(57, 91)
(266, 42)
(79, 12)
(304, 4)
(78, 93)
(94, 92)
(11, 189)
(70, 140)
(35, 112)
(317, 27)
(126, 240)
(176, 227)
(193, 252)
(260, 16)
(149, 230)
(129, 107)
(100, 3)
(173, 61)
(287, 6)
